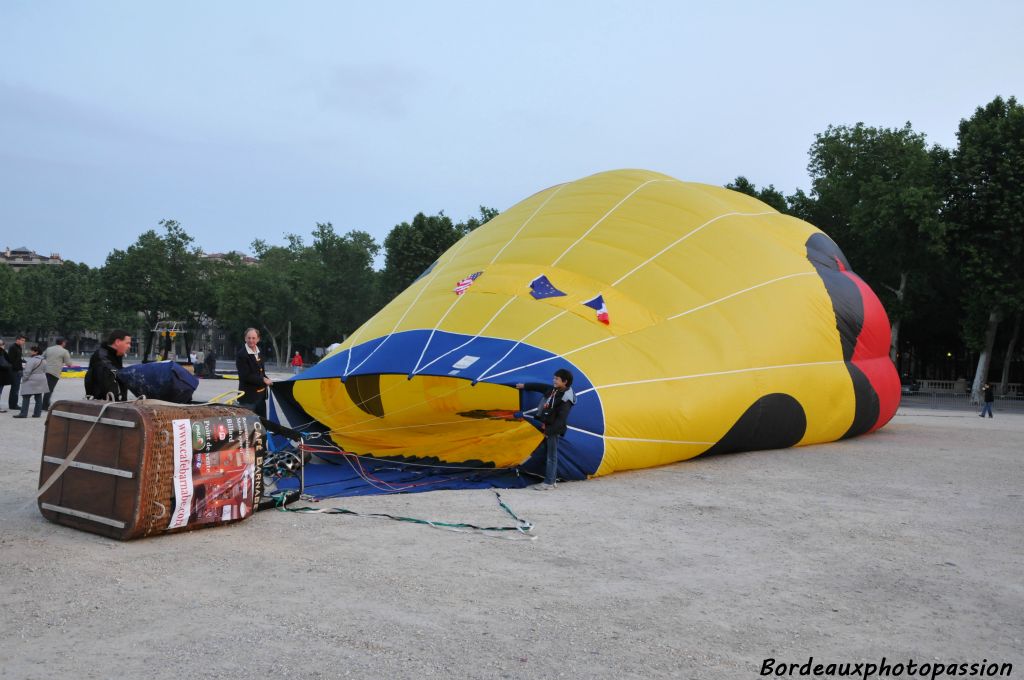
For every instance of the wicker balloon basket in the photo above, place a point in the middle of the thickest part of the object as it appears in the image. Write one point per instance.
(134, 469)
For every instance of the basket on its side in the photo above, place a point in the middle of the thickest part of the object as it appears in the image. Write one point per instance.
(133, 469)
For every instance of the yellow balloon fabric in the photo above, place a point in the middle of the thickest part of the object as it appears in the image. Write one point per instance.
(694, 319)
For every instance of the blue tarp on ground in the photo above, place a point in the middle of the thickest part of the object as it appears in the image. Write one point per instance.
(164, 380)
(369, 476)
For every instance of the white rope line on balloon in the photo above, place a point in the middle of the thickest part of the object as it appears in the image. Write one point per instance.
(478, 334)
(674, 316)
(433, 275)
(693, 376)
(740, 292)
(459, 297)
(519, 342)
(686, 236)
(557, 260)
(426, 345)
(632, 271)
(351, 347)
(637, 439)
(528, 220)
(606, 215)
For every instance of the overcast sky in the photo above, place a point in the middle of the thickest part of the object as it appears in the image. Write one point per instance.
(247, 120)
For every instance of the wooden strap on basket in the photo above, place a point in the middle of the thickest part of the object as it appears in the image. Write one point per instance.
(74, 453)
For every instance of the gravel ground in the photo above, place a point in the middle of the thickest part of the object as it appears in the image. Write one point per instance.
(904, 544)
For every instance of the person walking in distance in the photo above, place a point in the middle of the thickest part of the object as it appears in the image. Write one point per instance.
(988, 399)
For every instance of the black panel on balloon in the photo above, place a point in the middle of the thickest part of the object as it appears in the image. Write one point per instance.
(775, 421)
(846, 301)
(867, 405)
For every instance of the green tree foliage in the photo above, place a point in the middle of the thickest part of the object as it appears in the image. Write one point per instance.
(267, 296)
(76, 294)
(768, 194)
(341, 283)
(36, 312)
(986, 207)
(11, 299)
(411, 248)
(877, 194)
(486, 215)
(158, 277)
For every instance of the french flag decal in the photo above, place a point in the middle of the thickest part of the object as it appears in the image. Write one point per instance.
(602, 311)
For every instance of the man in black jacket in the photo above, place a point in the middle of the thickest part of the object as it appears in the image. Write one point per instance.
(252, 376)
(553, 414)
(17, 366)
(101, 381)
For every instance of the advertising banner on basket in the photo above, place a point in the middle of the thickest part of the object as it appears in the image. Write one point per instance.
(216, 469)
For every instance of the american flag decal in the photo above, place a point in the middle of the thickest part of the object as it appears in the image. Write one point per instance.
(465, 283)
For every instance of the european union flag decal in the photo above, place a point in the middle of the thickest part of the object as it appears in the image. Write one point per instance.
(541, 288)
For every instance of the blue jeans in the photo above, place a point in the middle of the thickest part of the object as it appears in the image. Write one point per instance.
(551, 467)
(987, 408)
(24, 405)
(12, 400)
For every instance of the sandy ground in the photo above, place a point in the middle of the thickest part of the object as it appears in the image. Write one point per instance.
(905, 544)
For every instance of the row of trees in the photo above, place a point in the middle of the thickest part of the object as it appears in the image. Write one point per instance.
(297, 294)
(937, 232)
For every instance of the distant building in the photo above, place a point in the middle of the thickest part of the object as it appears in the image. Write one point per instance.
(22, 257)
(223, 257)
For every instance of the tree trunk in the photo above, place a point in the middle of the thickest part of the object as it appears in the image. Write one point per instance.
(288, 353)
(273, 343)
(894, 346)
(1010, 349)
(985, 358)
(148, 346)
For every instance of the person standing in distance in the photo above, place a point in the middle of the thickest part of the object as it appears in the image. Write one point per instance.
(101, 381)
(5, 373)
(33, 383)
(553, 415)
(56, 357)
(252, 375)
(14, 357)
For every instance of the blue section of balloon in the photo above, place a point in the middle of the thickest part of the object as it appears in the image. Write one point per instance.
(499, 361)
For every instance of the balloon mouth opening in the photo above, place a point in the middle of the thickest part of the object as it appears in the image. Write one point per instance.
(445, 417)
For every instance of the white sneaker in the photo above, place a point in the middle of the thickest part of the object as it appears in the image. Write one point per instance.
(543, 487)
